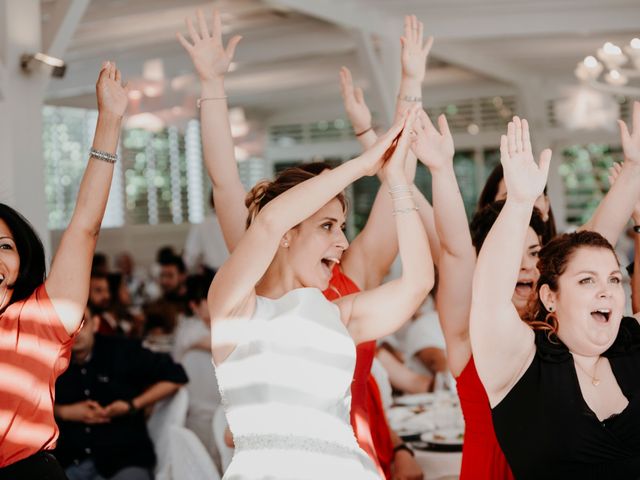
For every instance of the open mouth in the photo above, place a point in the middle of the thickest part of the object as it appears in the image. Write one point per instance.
(329, 263)
(601, 315)
(524, 288)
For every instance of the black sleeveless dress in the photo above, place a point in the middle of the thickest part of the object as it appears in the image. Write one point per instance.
(547, 430)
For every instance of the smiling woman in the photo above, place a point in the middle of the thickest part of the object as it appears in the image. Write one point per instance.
(39, 317)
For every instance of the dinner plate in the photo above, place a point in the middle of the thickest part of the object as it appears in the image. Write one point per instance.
(415, 399)
(453, 436)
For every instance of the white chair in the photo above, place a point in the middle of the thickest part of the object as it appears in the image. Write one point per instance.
(189, 458)
(169, 412)
(219, 426)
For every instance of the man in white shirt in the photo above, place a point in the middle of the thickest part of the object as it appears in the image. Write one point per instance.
(205, 245)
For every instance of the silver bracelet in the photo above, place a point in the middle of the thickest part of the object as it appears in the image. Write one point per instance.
(404, 210)
(104, 156)
(409, 98)
(204, 99)
(399, 188)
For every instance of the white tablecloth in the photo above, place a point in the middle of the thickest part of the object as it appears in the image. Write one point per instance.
(439, 465)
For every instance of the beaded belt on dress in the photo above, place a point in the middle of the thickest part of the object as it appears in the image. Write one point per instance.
(291, 442)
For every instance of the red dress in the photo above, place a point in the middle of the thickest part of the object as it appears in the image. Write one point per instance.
(482, 457)
(367, 413)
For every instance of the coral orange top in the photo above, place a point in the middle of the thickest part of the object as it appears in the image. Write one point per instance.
(34, 350)
(482, 457)
(367, 413)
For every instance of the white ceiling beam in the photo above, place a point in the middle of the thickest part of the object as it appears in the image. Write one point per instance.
(380, 22)
(299, 43)
(469, 57)
(382, 85)
(61, 25)
(534, 21)
(347, 14)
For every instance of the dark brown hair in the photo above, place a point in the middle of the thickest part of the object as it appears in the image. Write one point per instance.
(31, 272)
(483, 221)
(552, 263)
(490, 190)
(265, 191)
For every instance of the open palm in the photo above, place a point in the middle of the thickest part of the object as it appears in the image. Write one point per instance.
(433, 148)
(111, 94)
(524, 178)
(353, 98)
(631, 141)
(210, 57)
(414, 50)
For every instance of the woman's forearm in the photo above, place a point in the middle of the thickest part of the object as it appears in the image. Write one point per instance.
(96, 181)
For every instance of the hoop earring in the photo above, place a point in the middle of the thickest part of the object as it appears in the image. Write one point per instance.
(552, 321)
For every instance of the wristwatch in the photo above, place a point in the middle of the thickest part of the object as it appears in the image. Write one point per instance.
(132, 408)
(636, 228)
(403, 446)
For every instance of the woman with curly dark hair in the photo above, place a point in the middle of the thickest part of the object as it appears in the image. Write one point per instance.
(562, 384)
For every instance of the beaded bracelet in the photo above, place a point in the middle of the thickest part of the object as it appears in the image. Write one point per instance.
(405, 210)
(104, 156)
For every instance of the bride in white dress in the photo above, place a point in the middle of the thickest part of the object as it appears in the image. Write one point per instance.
(285, 355)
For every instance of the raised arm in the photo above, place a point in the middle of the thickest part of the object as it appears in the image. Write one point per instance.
(357, 109)
(211, 60)
(372, 252)
(68, 282)
(503, 345)
(614, 173)
(616, 207)
(232, 291)
(375, 313)
(414, 61)
(457, 256)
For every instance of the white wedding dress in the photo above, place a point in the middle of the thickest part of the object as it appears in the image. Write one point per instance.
(286, 393)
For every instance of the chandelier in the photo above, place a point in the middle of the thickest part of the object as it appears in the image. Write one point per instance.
(615, 70)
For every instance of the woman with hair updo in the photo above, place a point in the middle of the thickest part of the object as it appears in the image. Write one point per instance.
(284, 354)
(563, 384)
(40, 316)
(371, 252)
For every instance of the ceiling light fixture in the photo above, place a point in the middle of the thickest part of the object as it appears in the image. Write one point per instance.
(606, 72)
(29, 61)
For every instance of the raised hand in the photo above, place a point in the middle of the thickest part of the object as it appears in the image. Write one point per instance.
(614, 173)
(414, 50)
(210, 57)
(353, 99)
(381, 151)
(111, 94)
(524, 178)
(432, 147)
(631, 141)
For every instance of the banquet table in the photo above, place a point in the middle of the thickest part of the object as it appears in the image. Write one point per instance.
(433, 425)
